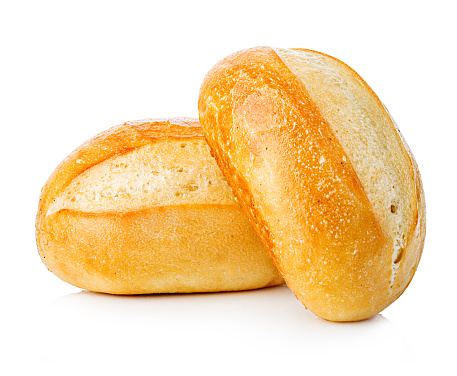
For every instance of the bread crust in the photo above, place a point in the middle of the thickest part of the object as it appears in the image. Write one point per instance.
(143, 208)
(302, 184)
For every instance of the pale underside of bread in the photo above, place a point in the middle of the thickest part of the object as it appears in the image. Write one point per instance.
(143, 208)
(323, 174)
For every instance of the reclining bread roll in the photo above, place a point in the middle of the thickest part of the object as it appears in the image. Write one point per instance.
(143, 208)
(323, 174)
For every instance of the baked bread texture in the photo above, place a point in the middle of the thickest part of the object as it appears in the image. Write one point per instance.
(323, 174)
(143, 208)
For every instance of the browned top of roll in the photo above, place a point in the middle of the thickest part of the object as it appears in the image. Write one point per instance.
(115, 141)
(84, 182)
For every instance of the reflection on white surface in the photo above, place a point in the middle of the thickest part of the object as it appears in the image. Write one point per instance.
(181, 330)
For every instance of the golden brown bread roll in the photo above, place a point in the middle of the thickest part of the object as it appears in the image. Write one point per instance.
(143, 208)
(323, 174)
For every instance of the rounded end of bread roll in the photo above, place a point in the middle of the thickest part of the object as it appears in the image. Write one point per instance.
(323, 174)
(143, 208)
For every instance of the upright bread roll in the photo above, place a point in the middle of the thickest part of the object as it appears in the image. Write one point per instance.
(143, 208)
(323, 174)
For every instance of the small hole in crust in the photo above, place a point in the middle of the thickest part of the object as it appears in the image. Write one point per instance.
(393, 209)
(190, 186)
(183, 145)
(399, 256)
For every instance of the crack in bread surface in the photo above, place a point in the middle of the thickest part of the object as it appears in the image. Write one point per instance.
(359, 122)
(162, 173)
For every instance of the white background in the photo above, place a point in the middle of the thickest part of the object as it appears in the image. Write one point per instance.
(71, 69)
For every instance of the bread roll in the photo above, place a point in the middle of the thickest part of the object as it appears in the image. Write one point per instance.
(143, 208)
(323, 174)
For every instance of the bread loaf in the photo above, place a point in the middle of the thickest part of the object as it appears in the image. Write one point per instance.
(323, 174)
(143, 208)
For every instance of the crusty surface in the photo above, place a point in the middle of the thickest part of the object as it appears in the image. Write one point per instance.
(143, 208)
(322, 173)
